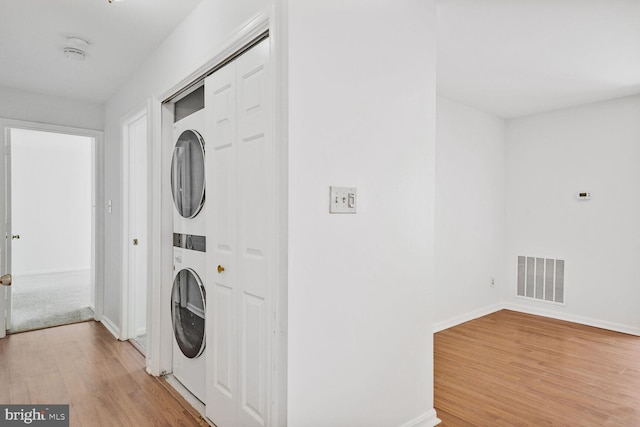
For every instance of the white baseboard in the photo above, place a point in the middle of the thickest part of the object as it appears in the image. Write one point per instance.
(111, 327)
(602, 324)
(428, 419)
(441, 326)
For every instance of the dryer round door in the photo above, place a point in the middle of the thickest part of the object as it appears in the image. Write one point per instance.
(187, 312)
(187, 174)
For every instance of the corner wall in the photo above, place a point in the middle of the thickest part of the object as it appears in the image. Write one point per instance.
(469, 214)
(362, 114)
(551, 157)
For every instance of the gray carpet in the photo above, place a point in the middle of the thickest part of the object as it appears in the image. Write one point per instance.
(42, 301)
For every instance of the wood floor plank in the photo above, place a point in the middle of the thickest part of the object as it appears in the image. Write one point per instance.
(509, 369)
(102, 379)
(47, 388)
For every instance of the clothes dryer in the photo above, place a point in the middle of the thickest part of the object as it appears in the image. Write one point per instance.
(187, 175)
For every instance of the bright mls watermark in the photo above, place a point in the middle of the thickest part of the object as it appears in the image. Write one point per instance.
(34, 415)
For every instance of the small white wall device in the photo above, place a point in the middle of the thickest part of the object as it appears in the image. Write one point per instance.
(583, 196)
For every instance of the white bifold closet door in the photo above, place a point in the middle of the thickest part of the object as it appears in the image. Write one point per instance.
(240, 236)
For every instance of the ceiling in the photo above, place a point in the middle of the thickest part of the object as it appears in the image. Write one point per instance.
(519, 57)
(121, 35)
(507, 57)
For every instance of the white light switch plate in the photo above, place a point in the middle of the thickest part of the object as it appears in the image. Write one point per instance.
(343, 200)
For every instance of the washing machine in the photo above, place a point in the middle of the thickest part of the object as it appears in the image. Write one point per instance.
(188, 294)
(188, 305)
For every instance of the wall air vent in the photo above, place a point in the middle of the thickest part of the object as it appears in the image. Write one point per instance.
(541, 279)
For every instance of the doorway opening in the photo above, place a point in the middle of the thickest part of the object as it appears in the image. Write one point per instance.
(52, 214)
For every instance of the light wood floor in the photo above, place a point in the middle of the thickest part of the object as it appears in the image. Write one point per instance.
(513, 369)
(102, 379)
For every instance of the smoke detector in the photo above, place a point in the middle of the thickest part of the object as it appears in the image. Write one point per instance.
(75, 48)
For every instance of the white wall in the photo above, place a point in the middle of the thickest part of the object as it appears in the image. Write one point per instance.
(51, 202)
(362, 113)
(20, 105)
(470, 212)
(550, 158)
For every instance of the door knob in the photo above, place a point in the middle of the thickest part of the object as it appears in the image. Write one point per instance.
(220, 269)
(15, 236)
(5, 280)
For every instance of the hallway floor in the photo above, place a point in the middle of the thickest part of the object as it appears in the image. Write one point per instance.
(102, 379)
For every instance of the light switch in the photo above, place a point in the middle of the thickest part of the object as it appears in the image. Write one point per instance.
(343, 200)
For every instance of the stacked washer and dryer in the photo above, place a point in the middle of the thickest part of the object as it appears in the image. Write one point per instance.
(233, 377)
(188, 295)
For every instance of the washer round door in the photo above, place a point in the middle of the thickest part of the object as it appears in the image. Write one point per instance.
(187, 312)
(187, 174)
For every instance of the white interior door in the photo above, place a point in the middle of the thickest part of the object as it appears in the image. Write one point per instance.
(138, 223)
(5, 220)
(135, 138)
(240, 224)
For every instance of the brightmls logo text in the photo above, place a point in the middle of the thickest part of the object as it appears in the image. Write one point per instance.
(27, 417)
(36, 415)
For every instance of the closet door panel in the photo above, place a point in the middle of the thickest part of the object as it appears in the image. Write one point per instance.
(255, 219)
(240, 226)
(222, 266)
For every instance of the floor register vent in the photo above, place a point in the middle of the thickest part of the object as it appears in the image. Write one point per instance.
(541, 279)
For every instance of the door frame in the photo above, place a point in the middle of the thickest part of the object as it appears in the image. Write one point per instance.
(159, 353)
(128, 310)
(97, 220)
